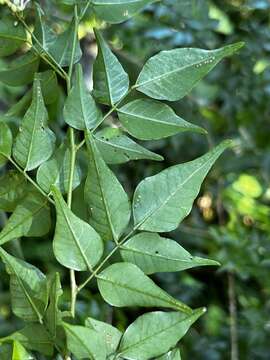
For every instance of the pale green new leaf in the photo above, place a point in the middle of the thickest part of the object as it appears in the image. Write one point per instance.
(5, 143)
(117, 148)
(124, 284)
(162, 201)
(35, 142)
(56, 171)
(105, 196)
(28, 288)
(21, 71)
(61, 48)
(80, 110)
(152, 253)
(19, 352)
(33, 337)
(11, 36)
(147, 119)
(76, 244)
(170, 75)
(155, 333)
(85, 343)
(109, 333)
(13, 187)
(171, 355)
(111, 82)
(30, 218)
(118, 11)
(53, 315)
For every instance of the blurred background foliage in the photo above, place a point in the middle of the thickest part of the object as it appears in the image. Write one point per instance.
(230, 221)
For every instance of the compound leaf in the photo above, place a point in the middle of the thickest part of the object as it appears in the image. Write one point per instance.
(28, 288)
(177, 187)
(155, 333)
(35, 142)
(80, 110)
(147, 119)
(76, 244)
(124, 284)
(152, 253)
(105, 196)
(170, 75)
(111, 82)
(30, 218)
(117, 148)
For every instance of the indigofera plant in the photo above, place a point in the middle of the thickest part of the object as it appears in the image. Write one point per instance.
(44, 157)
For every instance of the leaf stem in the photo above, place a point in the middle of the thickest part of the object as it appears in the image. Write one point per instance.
(30, 180)
(73, 151)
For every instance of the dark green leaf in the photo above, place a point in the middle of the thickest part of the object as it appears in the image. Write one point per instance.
(13, 187)
(117, 148)
(12, 36)
(147, 119)
(170, 75)
(118, 11)
(35, 142)
(5, 143)
(28, 288)
(177, 187)
(42, 31)
(108, 202)
(111, 82)
(21, 71)
(152, 253)
(85, 343)
(80, 110)
(56, 171)
(30, 218)
(76, 244)
(124, 284)
(61, 48)
(155, 333)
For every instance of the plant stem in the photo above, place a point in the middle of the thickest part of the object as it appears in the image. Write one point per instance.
(233, 317)
(73, 151)
(30, 180)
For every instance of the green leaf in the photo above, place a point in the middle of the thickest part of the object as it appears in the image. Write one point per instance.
(124, 284)
(155, 333)
(35, 142)
(171, 355)
(111, 82)
(12, 35)
(33, 337)
(170, 75)
(117, 148)
(118, 11)
(56, 171)
(53, 315)
(5, 143)
(85, 343)
(13, 187)
(30, 218)
(76, 244)
(28, 288)
(109, 333)
(49, 86)
(162, 201)
(42, 31)
(19, 352)
(108, 202)
(80, 110)
(152, 253)
(61, 48)
(147, 119)
(21, 71)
